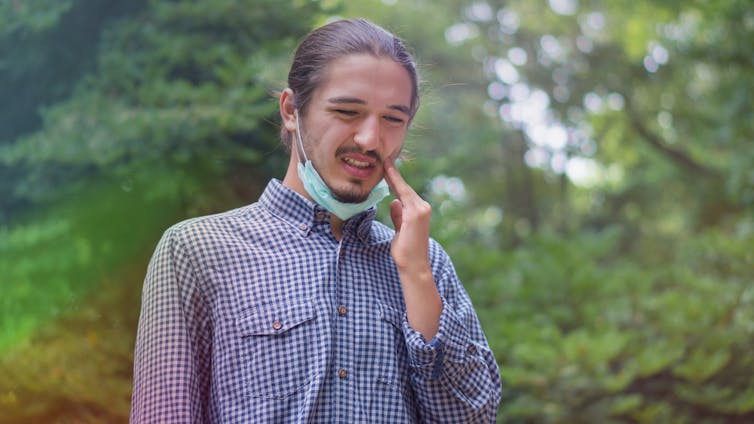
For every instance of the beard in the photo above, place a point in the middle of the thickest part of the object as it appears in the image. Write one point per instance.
(349, 194)
(355, 192)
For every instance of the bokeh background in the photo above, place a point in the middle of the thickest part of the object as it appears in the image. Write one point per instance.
(589, 163)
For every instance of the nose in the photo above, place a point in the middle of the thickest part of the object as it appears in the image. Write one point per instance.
(367, 135)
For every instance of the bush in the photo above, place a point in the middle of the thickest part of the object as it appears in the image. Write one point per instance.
(586, 333)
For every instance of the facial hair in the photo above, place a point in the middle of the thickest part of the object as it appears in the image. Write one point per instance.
(348, 194)
(352, 194)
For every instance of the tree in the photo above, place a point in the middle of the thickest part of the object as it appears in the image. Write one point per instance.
(633, 114)
(173, 116)
(183, 87)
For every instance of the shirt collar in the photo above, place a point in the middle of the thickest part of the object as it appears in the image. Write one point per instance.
(303, 214)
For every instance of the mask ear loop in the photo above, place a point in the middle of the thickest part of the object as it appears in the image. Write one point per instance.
(298, 135)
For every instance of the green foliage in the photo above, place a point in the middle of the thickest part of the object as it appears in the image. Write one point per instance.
(32, 16)
(47, 46)
(179, 100)
(627, 299)
(657, 86)
(584, 335)
(183, 86)
(56, 256)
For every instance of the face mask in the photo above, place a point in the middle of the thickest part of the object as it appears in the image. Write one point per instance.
(322, 195)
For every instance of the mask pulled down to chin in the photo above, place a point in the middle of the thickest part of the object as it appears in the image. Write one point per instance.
(316, 187)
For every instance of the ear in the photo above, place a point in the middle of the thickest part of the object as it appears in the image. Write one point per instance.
(287, 110)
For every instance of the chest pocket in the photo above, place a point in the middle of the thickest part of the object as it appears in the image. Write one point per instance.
(276, 344)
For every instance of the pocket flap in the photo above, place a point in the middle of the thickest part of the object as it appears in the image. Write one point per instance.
(391, 315)
(266, 320)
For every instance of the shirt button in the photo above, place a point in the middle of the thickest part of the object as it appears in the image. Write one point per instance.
(471, 349)
(342, 310)
(277, 325)
(303, 227)
(342, 373)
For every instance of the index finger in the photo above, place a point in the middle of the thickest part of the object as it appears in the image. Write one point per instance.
(395, 181)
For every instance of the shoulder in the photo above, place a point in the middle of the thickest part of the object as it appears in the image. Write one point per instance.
(204, 223)
(211, 230)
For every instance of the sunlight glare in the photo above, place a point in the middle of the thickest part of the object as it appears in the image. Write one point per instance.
(564, 7)
(479, 12)
(509, 21)
(506, 72)
(461, 32)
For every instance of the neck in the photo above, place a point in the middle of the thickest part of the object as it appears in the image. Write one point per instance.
(291, 179)
(336, 226)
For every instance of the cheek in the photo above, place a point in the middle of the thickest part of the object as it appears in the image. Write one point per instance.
(329, 139)
(394, 144)
(337, 133)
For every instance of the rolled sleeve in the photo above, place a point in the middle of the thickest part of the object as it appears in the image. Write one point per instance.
(455, 375)
(451, 343)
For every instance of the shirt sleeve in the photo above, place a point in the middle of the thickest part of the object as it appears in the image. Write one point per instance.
(171, 356)
(455, 375)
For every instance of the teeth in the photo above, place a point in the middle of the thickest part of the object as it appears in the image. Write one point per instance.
(357, 163)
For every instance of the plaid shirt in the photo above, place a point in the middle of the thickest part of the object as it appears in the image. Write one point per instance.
(259, 315)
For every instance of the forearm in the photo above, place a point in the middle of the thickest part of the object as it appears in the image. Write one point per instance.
(423, 302)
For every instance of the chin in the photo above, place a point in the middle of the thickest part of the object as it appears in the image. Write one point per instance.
(352, 194)
(350, 197)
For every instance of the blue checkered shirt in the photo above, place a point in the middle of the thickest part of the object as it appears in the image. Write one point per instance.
(259, 315)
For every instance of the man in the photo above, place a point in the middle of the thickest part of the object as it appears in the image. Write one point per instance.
(300, 307)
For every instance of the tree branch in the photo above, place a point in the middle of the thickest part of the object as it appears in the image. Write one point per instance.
(677, 156)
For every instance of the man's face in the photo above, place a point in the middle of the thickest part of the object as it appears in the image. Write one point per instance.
(356, 119)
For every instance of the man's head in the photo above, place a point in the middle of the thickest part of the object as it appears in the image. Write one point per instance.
(333, 41)
(353, 91)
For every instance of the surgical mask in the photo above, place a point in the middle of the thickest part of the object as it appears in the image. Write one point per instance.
(321, 193)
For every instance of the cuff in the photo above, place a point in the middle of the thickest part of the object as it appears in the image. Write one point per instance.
(451, 343)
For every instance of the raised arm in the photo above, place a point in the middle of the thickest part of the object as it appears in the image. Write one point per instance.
(455, 376)
(410, 250)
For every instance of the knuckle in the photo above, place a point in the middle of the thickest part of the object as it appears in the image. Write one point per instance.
(420, 211)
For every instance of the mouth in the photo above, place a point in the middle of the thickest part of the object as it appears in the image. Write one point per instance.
(357, 163)
(359, 167)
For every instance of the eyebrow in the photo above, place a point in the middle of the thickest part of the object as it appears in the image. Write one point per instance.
(345, 100)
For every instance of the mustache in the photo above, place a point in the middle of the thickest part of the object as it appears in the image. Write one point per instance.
(353, 149)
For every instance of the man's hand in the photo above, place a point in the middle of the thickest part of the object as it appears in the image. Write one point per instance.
(410, 214)
(410, 250)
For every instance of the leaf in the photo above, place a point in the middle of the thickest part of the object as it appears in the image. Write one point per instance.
(702, 364)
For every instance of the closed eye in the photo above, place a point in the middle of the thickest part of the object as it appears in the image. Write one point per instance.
(394, 119)
(346, 112)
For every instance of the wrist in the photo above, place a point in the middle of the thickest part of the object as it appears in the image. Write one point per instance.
(414, 271)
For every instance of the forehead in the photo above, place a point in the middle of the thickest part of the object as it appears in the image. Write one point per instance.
(379, 82)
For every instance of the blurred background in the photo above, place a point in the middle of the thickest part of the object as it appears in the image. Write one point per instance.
(589, 163)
